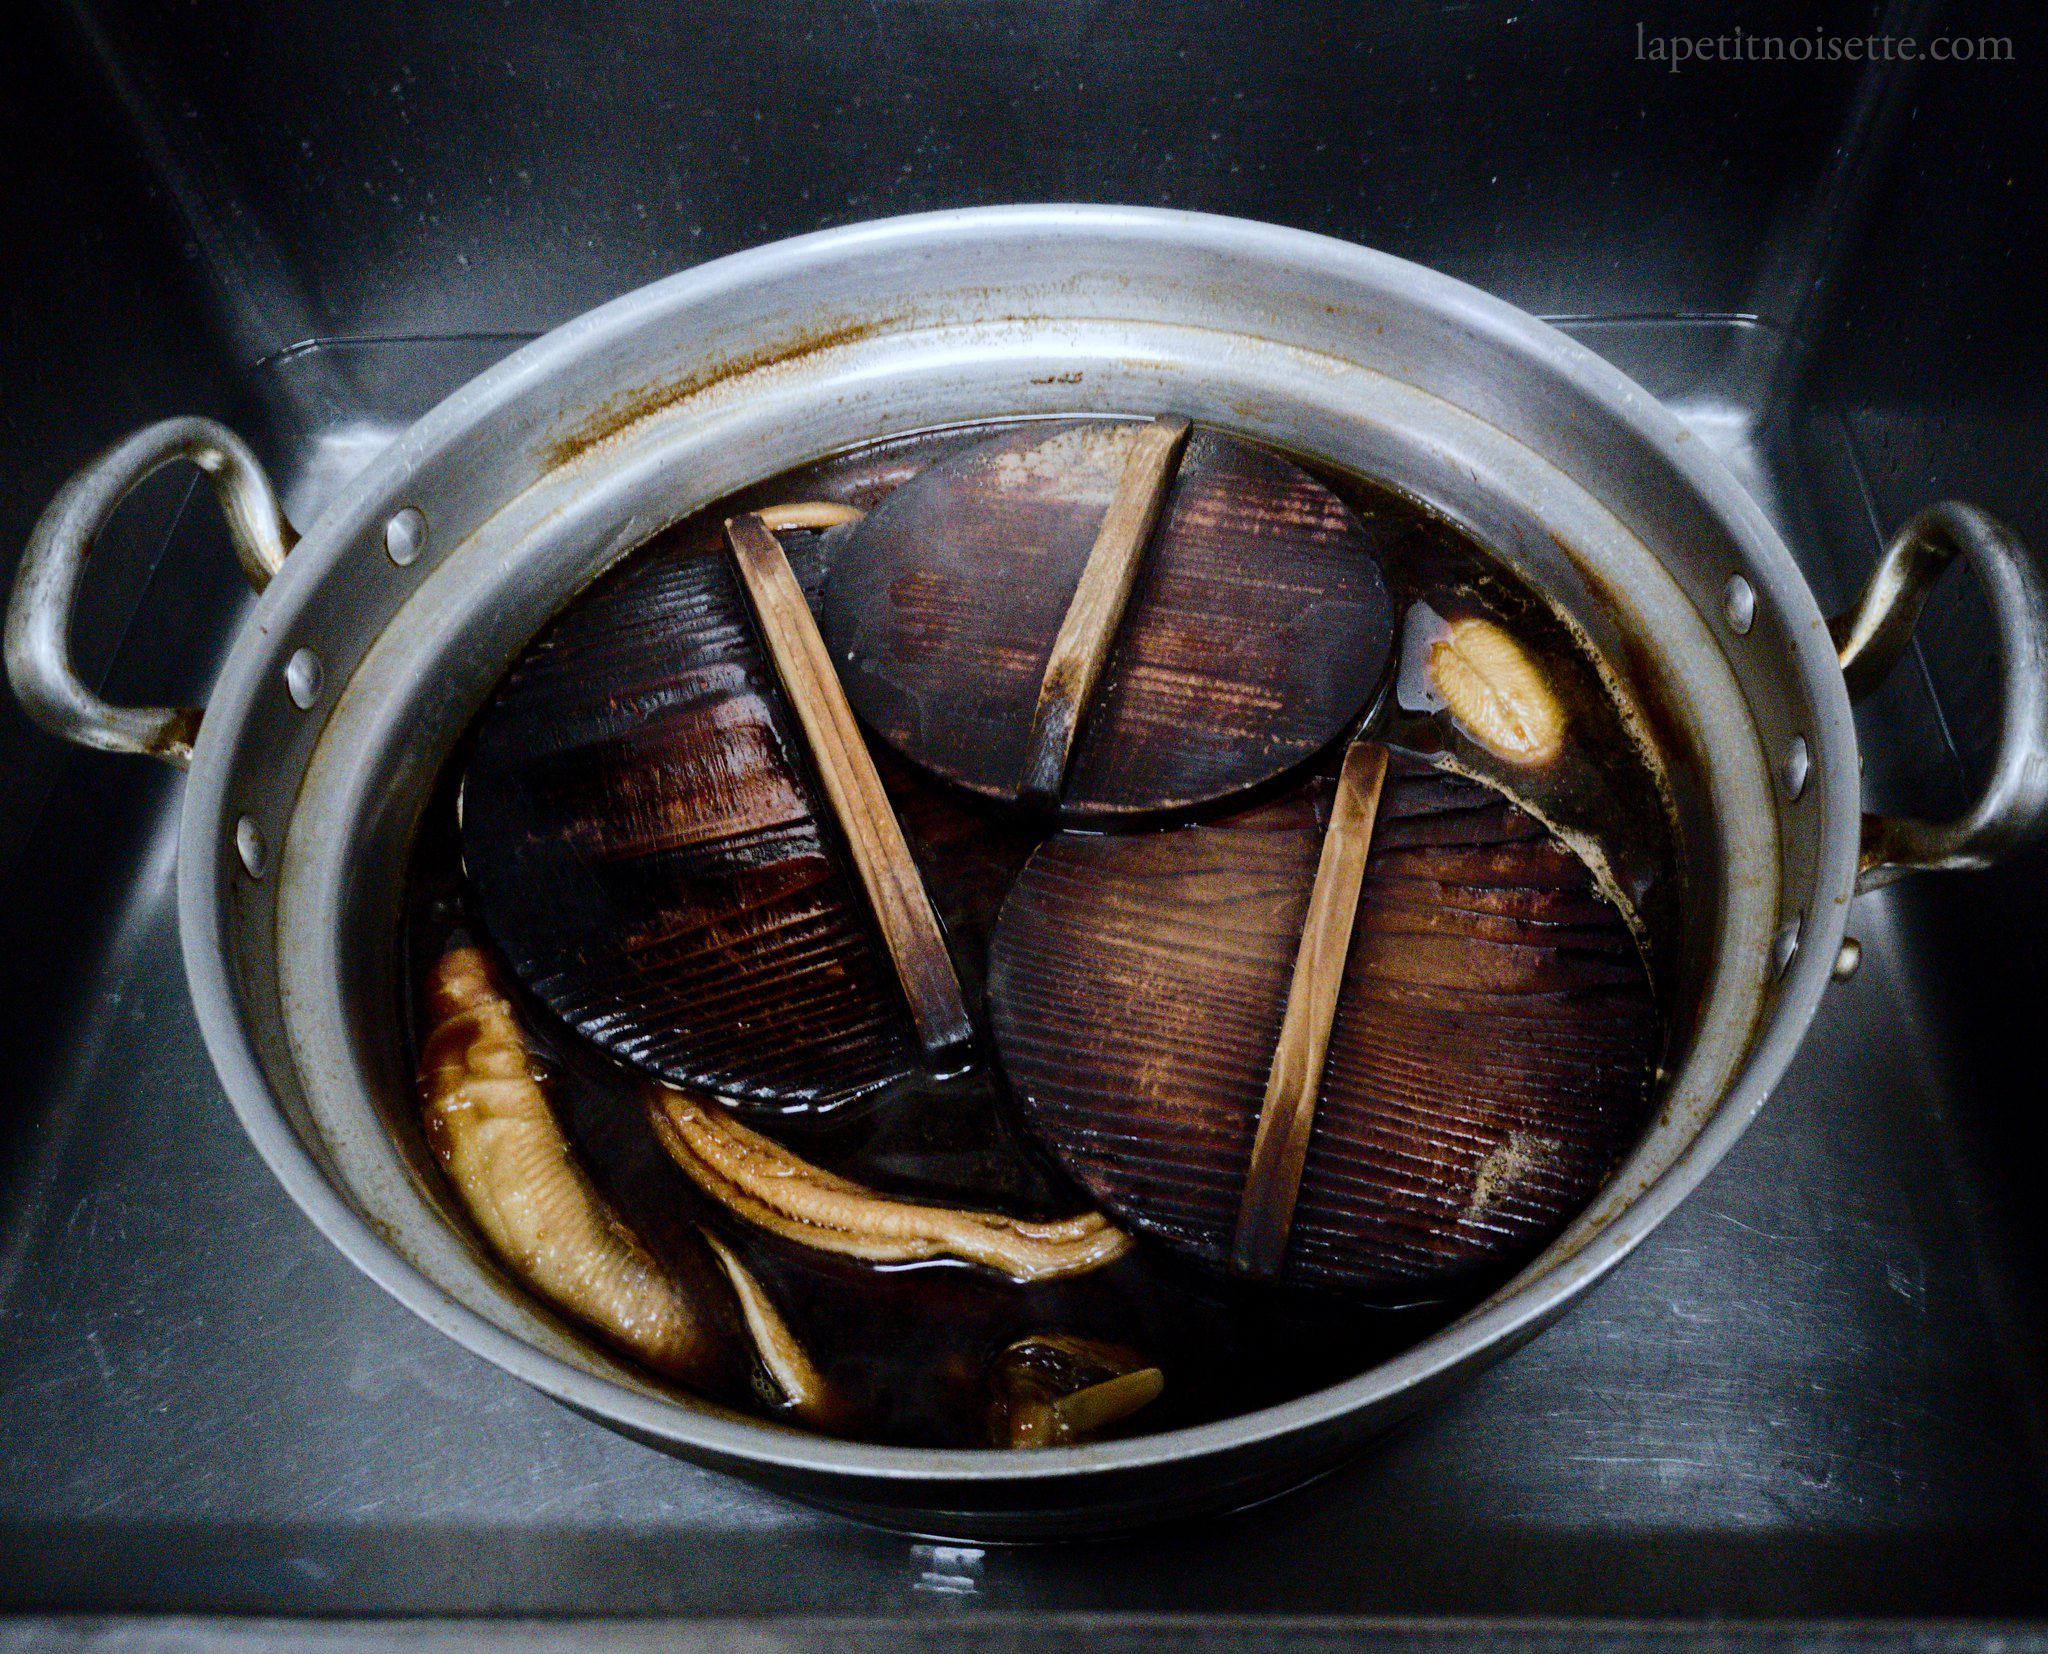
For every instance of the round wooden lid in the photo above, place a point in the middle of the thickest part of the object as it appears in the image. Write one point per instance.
(1257, 631)
(1489, 1064)
(646, 844)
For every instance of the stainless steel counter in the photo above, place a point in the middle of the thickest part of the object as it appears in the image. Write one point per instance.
(1804, 1396)
(1817, 1392)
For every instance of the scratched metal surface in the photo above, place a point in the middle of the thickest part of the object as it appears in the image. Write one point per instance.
(1818, 1390)
(992, 1634)
(1800, 1397)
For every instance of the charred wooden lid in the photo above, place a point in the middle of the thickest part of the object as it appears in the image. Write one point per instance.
(1256, 631)
(1489, 1063)
(647, 844)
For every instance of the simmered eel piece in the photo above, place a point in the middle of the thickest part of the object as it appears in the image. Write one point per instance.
(762, 1183)
(1496, 692)
(1056, 1390)
(798, 1384)
(488, 1122)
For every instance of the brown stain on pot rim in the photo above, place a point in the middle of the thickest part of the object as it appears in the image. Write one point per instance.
(628, 408)
(618, 413)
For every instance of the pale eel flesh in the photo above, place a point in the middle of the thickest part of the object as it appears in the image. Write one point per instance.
(764, 1184)
(488, 1122)
(798, 1384)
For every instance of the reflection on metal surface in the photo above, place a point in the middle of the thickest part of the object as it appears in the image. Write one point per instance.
(947, 1570)
(1634, 523)
(250, 847)
(1738, 603)
(1785, 945)
(303, 676)
(405, 536)
(1797, 766)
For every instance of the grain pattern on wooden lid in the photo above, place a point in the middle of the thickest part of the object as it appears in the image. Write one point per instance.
(1489, 1063)
(1258, 629)
(647, 845)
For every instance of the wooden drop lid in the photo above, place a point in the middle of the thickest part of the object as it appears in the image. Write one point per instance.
(646, 840)
(1255, 629)
(1488, 1065)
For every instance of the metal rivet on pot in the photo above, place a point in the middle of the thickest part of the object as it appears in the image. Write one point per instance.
(1784, 946)
(249, 845)
(1847, 958)
(303, 675)
(1798, 765)
(405, 536)
(1738, 603)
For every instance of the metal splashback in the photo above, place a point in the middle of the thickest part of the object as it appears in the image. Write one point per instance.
(1818, 1390)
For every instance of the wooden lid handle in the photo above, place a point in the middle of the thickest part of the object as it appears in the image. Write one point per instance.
(1081, 648)
(1279, 1151)
(894, 889)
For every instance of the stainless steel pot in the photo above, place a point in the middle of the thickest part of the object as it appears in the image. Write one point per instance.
(387, 625)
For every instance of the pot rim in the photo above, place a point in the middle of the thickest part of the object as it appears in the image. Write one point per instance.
(1512, 1315)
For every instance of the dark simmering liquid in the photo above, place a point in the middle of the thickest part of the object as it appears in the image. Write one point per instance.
(908, 1347)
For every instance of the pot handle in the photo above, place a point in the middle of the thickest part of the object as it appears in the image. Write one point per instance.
(46, 586)
(1869, 639)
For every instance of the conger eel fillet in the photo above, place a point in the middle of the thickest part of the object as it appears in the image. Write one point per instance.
(760, 1181)
(488, 1121)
